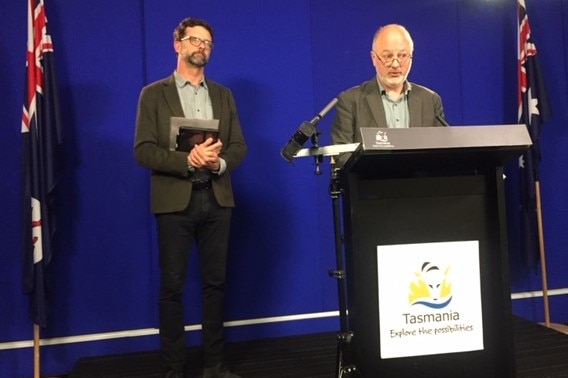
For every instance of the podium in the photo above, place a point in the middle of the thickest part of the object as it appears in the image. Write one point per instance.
(426, 251)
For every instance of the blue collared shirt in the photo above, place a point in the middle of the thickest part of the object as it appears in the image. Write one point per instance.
(396, 111)
(195, 100)
(196, 104)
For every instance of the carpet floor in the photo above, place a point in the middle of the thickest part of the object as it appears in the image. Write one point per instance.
(540, 352)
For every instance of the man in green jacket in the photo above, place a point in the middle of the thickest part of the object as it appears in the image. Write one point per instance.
(191, 194)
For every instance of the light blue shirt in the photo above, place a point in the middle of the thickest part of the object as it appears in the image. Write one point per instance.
(196, 104)
(396, 111)
(195, 100)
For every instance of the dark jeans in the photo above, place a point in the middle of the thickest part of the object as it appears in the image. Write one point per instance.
(207, 224)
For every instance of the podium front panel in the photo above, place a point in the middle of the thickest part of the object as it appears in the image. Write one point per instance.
(385, 207)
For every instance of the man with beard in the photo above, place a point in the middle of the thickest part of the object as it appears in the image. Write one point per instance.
(191, 193)
(389, 99)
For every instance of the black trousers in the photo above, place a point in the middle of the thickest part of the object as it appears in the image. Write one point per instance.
(205, 223)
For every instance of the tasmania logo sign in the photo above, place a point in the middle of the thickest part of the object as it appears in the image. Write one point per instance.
(431, 288)
(429, 299)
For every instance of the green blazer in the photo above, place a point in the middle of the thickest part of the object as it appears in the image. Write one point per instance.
(170, 180)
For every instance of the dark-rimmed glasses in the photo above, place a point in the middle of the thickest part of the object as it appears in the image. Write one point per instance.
(198, 41)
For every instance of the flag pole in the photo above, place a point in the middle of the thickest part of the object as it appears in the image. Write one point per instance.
(36, 351)
(542, 255)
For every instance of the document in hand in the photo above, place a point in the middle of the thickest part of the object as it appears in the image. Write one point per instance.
(186, 132)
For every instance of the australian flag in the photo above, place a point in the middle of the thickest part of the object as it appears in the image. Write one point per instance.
(41, 137)
(534, 110)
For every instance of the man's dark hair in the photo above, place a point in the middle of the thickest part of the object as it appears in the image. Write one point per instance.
(179, 31)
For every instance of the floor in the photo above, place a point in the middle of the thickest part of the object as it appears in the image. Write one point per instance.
(540, 352)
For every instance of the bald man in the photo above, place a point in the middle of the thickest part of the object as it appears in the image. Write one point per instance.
(388, 100)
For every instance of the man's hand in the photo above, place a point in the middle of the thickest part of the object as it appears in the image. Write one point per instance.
(205, 155)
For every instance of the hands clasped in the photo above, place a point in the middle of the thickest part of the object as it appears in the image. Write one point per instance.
(206, 155)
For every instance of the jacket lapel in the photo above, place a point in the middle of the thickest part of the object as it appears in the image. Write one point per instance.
(373, 99)
(215, 96)
(172, 97)
(414, 111)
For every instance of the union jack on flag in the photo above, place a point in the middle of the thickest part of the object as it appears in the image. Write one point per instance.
(534, 110)
(41, 136)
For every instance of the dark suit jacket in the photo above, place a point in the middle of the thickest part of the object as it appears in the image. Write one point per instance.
(171, 180)
(362, 106)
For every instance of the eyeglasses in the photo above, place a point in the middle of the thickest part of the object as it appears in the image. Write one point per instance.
(198, 41)
(389, 59)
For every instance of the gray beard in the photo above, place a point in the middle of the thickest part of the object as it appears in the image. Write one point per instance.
(196, 61)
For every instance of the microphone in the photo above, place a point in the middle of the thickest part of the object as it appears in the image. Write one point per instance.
(304, 132)
(442, 120)
(324, 111)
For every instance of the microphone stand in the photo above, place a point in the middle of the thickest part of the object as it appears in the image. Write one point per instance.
(344, 366)
(345, 335)
(318, 159)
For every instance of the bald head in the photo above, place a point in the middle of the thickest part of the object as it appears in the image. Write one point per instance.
(390, 35)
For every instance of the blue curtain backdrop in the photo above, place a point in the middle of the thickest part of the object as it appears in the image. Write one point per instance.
(284, 62)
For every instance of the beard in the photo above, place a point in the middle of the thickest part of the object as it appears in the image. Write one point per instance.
(393, 81)
(197, 59)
